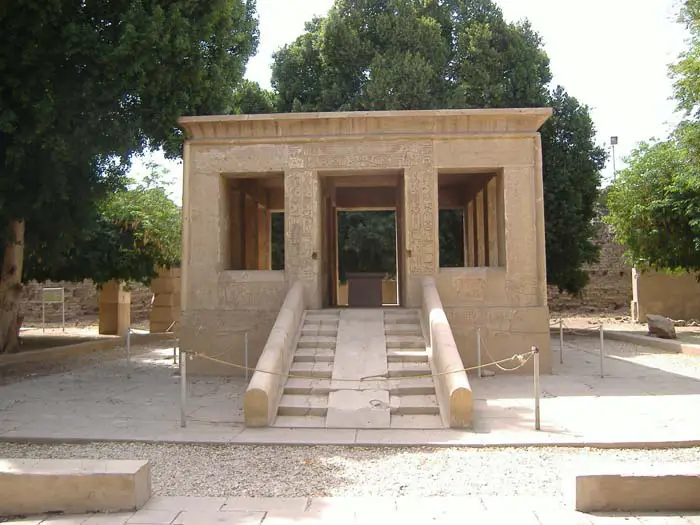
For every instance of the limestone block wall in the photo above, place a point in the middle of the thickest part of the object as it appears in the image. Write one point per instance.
(610, 287)
(217, 317)
(508, 303)
(218, 304)
(674, 296)
(81, 303)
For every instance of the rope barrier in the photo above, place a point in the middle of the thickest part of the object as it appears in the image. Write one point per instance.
(522, 360)
(497, 363)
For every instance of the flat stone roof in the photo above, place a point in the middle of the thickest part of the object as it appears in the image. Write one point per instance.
(444, 123)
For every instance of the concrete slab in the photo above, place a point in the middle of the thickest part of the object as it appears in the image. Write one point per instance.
(358, 409)
(364, 510)
(637, 488)
(643, 401)
(360, 348)
(33, 486)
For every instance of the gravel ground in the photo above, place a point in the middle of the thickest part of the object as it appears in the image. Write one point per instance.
(258, 471)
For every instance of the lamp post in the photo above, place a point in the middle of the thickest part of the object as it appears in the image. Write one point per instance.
(613, 143)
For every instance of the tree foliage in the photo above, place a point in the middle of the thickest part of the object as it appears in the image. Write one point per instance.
(83, 87)
(655, 203)
(655, 207)
(250, 99)
(135, 232)
(443, 54)
(367, 242)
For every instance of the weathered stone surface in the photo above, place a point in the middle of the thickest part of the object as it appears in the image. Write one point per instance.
(627, 488)
(309, 153)
(358, 409)
(661, 326)
(35, 486)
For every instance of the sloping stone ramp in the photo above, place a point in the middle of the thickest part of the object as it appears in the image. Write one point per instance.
(337, 349)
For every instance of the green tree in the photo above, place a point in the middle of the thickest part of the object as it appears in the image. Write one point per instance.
(135, 231)
(655, 203)
(366, 242)
(250, 99)
(655, 207)
(571, 177)
(426, 54)
(84, 86)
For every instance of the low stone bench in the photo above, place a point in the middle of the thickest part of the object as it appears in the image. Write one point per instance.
(76, 486)
(639, 488)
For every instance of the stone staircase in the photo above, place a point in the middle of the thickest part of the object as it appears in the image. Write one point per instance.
(411, 393)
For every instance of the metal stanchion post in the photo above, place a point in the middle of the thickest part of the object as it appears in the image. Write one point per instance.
(478, 351)
(128, 352)
(183, 388)
(245, 343)
(602, 349)
(537, 386)
(561, 341)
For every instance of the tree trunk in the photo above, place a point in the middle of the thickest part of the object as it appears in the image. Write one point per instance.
(11, 288)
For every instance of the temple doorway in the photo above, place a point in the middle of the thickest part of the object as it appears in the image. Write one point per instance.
(363, 239)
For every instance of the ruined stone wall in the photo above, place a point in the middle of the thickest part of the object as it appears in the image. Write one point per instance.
(81, 303)
(610, 287)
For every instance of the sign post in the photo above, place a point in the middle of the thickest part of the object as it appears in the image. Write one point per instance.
(53, 296)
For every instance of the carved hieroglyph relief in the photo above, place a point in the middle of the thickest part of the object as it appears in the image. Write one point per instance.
(302, 222)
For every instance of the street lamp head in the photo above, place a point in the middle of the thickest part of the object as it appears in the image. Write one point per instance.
(613, 141)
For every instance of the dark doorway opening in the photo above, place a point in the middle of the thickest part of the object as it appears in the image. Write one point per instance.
(367, 265)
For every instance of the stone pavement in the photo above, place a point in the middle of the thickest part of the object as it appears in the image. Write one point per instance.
(644, 398)
(474, 510)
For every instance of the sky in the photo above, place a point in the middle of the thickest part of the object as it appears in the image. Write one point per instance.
(612, 55)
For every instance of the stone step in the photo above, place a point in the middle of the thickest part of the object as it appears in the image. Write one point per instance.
(307, 386)
(321, 317)
(300, 422)
(414, 405)
(403, 329)
(409, 369)
(314, 355)
(316, 341)
(395, 355)
(419, 421)
(405, 341)
(407, 386)
(320, 329)
(311, 370)
(397, 386)
(326, 323)
(401, 319)
(303, 405)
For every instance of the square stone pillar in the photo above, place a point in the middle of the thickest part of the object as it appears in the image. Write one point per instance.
(421, 217)
(264, 239)
(469, 234)
(302, 226)
(114, 309)
(165, 309)
(480, 230)
(492, 222)
(251, 232)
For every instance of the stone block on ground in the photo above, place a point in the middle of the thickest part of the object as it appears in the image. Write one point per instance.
(638, 488)
(73, 486)
(661, 326)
